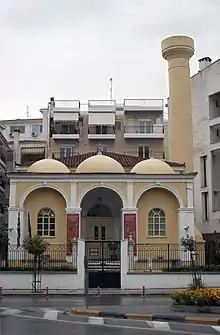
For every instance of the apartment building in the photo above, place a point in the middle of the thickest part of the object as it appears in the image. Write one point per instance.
(68, 128)
(205, 87)
(4, 182)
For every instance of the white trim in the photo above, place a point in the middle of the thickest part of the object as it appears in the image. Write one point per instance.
(73, 194)
(130, 193)
(36, 187)
(189, 192)
(102, 185)
(145, 189)
(179, 178)
(73, 210)
(12, 198)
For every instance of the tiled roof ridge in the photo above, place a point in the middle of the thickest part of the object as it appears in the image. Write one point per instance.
(123, 159)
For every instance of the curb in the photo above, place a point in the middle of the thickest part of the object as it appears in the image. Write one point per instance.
(148, 317)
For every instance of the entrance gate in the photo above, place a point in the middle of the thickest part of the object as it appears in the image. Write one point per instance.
(103, 264)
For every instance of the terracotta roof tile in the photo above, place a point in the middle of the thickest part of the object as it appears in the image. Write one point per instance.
(125, 160)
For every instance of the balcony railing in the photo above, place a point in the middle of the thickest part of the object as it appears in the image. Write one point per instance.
(102, 105)
(143, 104)
(104, 130)
(63, 105)
(151, 131)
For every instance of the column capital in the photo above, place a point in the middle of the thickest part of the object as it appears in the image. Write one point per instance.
(129, 210)
(16, 209)
(71, 210)
(186, 210)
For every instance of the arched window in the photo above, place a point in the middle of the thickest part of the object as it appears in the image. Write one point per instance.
(46, 222)
(156, 222)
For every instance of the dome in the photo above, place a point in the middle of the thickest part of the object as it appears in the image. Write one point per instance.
(152, 166)
(100, 164)
(48, 166)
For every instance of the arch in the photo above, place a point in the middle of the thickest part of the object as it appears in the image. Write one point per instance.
(110, 187)
(145, 189)
(44, 185)
(100, 211)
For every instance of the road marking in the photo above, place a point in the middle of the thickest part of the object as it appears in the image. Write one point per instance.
(96, 321)
(10, 311)
(149, 330)
(217, 328)
(159, 325)
(51, 315)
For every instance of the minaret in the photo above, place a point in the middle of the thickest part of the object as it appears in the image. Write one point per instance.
(178, 50)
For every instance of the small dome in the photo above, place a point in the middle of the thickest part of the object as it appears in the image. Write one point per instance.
(152, 166)
(100, 164)
(48, 166)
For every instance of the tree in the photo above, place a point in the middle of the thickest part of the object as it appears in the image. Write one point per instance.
(189, 245)
(4, 242)
(36, 246)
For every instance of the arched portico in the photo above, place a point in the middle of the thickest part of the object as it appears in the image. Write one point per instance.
(101, 215)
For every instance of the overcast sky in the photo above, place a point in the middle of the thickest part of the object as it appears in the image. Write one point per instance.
(70, 48)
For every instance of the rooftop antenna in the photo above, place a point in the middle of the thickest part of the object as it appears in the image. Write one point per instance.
(111, 89)
(28, 112)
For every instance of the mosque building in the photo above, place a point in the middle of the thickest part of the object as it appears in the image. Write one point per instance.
(153, 202)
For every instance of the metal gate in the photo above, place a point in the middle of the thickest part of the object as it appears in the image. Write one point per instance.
(103, 264)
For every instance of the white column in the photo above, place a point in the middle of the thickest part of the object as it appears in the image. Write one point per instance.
(73, 194)
(130, 191)
(80, 263)
(71, 210)
(124, 262)
(130, 254)
(13, 222)
(186, 226)
(74, 253)
(189, 195)
(130, 210)
(12, 192)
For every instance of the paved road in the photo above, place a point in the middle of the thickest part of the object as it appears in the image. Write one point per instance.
(152, 303)
(41, 321)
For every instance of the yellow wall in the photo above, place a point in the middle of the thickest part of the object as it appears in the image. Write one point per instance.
(178, 188)
(50, 198)
(22, 187)
(158, 198)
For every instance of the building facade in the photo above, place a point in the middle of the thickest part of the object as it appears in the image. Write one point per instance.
(205, 89)
(4, 181)
(104, 204)
(68, 128)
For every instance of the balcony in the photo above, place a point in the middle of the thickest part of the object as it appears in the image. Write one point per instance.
(99, 132)
(66, 106)
(66, 110)
(2, 159)
(143, 105)
(68, 131)
(101, 106)
(151, 131)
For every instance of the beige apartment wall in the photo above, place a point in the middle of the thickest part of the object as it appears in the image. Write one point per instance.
(120, 144)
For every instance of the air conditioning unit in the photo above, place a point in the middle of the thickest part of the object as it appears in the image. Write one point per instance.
(34, 134)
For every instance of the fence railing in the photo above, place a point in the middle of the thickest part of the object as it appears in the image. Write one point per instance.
(58, 257)
(165, 257)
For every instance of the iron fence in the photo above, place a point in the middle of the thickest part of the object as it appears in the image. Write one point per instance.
(172, 258)
(56, 258)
